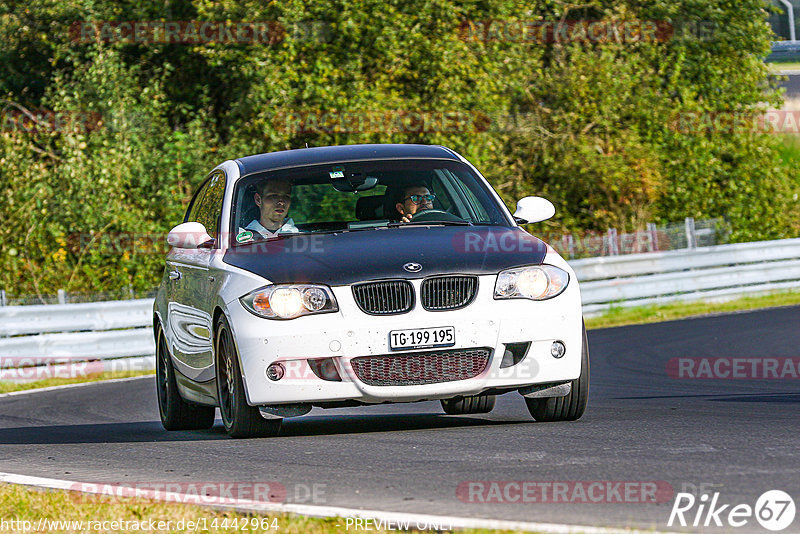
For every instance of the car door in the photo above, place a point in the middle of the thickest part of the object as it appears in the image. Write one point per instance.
(191, 285)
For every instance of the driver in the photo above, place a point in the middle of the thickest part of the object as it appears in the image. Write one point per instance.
(412, 199)
(273, 198)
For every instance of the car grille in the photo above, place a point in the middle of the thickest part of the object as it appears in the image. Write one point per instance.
(448, 292)
(421, 368)
(384, 298)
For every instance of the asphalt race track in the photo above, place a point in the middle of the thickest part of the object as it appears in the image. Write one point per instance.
(792, 86)
(738, 437)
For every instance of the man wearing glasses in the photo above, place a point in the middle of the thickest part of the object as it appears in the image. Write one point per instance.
(412, 199)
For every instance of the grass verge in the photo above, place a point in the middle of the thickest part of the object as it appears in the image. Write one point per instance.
(619, 316)
(777, 66)
(33, 505)
(29, 504)
(9, 386)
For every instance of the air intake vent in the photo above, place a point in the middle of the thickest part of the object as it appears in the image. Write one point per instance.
(448, 292)
(421, 367)
(384, 298)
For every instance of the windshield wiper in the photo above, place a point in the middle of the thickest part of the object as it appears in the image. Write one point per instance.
(429, 223)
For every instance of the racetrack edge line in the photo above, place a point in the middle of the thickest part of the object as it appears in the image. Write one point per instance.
(245, 505)
(69, 386)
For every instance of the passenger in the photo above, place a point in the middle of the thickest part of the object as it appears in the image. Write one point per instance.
(273, 198)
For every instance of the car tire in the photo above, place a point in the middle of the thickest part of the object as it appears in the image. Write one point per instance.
(239, 418)
(176, 413)
(569, 407)
(469, 405)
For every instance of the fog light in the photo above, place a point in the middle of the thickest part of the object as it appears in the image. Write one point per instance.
(275, 371)
(557, 350)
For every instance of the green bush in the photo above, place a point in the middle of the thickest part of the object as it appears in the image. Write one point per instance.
(605, 143)
(88, 205)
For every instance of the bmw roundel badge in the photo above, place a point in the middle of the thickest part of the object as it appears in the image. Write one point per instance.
(412, 267)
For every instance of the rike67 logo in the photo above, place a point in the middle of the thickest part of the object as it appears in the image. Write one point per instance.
(774, 510)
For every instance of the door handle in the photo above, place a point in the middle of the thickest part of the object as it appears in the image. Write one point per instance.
(175, 275)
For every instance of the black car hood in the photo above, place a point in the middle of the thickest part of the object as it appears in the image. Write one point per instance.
(374, 254)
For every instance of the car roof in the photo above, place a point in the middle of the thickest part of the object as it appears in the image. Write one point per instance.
(338, 154)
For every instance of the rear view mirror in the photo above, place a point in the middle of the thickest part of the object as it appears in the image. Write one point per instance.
(190, 235)
(351, 181)
(533, 210)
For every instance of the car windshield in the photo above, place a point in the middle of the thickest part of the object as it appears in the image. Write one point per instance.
(361, 195)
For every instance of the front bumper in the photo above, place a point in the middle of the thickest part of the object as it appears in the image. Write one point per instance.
(350, 333)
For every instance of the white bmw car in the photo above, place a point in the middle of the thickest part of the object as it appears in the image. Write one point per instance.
(357, 275)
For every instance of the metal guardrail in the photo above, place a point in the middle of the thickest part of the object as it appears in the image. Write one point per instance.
(81, 345)
(108, 331)
(45, 318)
(708, 273)
(36, 335)
(680, 260)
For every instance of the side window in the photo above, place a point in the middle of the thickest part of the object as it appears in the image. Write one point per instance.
(476, 205)
(209, 210)
(443, 201)
(194, 205)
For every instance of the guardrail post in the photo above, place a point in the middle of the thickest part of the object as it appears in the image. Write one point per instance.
(613, 243)
(62, 296)
(790, 15)
(691, 234)
(3, 303)
(653, 233)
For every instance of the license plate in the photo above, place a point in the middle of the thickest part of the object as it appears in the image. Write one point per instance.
(417, 338)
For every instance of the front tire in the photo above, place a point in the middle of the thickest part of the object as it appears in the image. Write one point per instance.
(469, 405)
(570, 407)
(176, 413)
(240, 419)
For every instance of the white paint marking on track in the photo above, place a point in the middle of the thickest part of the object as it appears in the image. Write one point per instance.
(70, 386)
(246, 505)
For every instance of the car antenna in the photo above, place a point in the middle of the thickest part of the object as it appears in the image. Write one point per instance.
(306, 144)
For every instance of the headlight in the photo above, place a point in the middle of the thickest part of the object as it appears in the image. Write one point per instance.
(540, 282)
(287, 301)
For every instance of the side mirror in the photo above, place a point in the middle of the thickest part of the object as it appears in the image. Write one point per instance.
(190, 235)
(533, 210)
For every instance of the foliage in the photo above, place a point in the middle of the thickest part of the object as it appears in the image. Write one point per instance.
(590, 124)
(607, 145)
